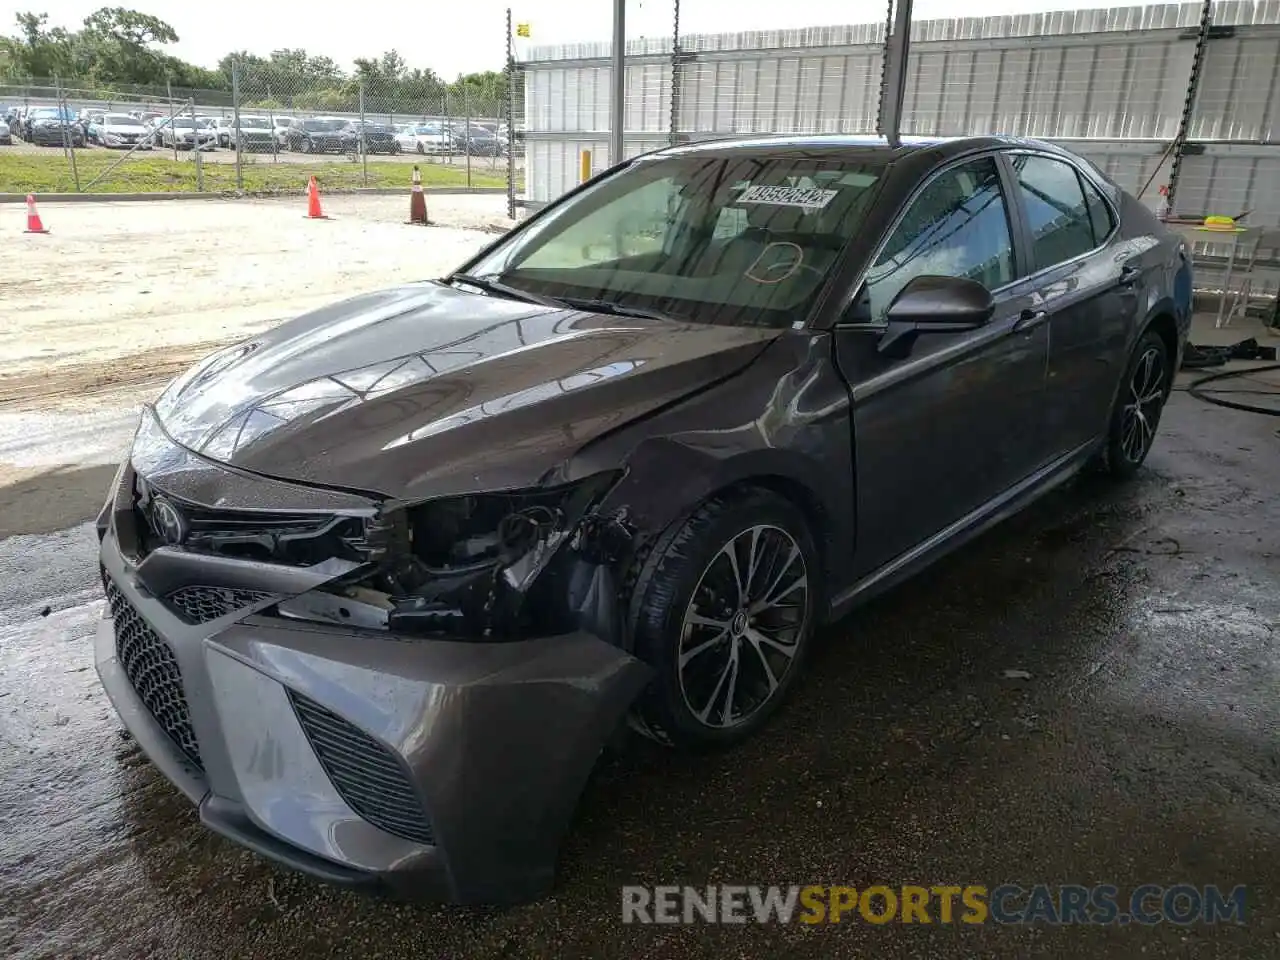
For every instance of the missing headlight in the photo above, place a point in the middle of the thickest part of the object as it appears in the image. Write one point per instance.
(472, 567)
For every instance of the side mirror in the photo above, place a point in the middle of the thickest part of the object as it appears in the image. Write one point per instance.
(932, 304)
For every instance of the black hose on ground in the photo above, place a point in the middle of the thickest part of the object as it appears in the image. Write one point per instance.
(1194, 389)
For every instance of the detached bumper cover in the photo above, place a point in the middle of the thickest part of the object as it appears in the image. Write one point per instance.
(442, 770)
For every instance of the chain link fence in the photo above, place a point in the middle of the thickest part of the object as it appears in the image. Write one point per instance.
(269, 132)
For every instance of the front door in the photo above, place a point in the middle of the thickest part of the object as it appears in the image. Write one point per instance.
(943, 430)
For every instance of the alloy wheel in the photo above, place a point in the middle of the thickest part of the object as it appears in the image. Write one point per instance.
(1142, 406)
(742, 629)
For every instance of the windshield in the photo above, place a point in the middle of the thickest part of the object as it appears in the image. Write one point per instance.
(253, 123)
(314, 125)
(121, 119)
(743, 241)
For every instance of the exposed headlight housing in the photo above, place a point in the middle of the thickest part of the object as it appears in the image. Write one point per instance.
(473, 566)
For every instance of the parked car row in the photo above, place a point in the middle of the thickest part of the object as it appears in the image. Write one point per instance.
(44, 126)
(476, 138)
(144, 130)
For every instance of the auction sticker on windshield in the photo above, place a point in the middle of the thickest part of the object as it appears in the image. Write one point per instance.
(810, 198)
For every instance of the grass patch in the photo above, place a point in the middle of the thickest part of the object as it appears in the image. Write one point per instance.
(51, 173)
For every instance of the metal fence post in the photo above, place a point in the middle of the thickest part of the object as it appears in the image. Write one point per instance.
(68, 139)
(617, 104)
(173, 131)
(893, 85)
(195, 145)
(511, 120)
(675, 75)
(235, 120)
(1189, 103)
(466, 130)
(364, 149)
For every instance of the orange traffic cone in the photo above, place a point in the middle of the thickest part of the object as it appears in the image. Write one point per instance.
(417, 199)
(313, 201)
(34, 225)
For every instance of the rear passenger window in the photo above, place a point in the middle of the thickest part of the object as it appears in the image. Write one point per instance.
(1099, 212)
(1057, 215)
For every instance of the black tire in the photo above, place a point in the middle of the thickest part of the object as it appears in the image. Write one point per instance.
(682, 573)
(305, 145)
(1147, 378)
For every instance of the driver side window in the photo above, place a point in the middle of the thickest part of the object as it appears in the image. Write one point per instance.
(633, 225)
(957, 226)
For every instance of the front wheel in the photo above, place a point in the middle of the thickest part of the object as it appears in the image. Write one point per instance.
(1138, 407)
(723, 610)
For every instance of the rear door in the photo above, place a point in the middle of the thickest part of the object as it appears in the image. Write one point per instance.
(1085, 284)
(942, 431)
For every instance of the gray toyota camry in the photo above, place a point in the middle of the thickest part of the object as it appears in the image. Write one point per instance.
(384, 581)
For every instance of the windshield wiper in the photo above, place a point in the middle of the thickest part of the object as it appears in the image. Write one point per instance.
(501, 289)
(614, 309)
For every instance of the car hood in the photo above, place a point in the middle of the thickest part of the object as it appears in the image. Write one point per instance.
(424, 390)
(123, 127)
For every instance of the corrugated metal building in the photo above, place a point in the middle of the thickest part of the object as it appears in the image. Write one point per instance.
(1111, 81)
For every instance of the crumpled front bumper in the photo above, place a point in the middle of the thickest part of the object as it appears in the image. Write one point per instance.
(492, 742)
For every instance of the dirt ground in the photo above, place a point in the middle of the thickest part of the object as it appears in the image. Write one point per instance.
(151, 287)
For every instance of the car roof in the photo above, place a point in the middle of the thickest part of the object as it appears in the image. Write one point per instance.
(850, 146)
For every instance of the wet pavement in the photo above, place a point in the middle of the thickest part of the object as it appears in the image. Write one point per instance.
(1142, 747)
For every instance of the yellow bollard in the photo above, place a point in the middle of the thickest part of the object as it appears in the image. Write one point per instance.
(585, 171)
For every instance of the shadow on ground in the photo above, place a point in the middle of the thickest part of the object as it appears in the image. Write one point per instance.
(41, 501)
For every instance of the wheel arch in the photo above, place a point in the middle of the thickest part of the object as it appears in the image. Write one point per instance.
(1162, 321)
(675, 482)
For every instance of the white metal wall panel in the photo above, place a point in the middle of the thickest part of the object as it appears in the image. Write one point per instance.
(1239, 95)
(1103, 75)
(1229, 181)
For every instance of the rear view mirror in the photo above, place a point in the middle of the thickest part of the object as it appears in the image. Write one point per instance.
(931, 304)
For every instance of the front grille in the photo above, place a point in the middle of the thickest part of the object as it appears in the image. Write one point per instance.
(298, 539)
(364, 772)
(200, 604)
(153, 671)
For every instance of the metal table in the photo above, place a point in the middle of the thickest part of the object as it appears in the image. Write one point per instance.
(1195, 233)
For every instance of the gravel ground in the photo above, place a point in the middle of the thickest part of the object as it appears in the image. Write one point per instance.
(124, 293)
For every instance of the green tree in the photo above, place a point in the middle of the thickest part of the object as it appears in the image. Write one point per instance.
(116, 45)
(38, 50)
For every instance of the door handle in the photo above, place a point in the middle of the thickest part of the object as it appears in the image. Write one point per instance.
(1029, 320)
(1129, 275)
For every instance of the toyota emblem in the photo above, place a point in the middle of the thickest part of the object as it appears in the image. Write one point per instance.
(168, 522)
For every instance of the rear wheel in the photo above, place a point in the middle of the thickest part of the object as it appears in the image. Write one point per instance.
(1138, 407)
(723, 610)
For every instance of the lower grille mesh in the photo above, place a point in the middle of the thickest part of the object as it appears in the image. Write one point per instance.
(153, 671)
(200, 604)
(366, 775)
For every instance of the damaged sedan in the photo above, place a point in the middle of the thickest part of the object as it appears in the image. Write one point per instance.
(384, 581)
